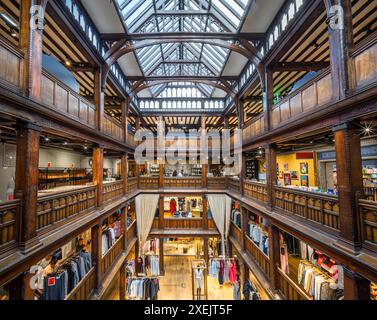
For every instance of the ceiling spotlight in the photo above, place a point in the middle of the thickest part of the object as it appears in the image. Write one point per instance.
(85, 148)
(65, 143)
(47, 139)
(13, 33)
(68, 63)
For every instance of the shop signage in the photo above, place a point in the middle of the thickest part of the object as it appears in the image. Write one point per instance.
(367, 151)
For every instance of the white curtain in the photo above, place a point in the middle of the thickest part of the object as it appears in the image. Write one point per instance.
(220, 207)
(146, 205)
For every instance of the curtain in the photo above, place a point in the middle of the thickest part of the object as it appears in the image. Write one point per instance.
(146, 205)
(220, 207)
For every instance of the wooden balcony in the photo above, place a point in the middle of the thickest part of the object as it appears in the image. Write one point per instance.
(54, 210)
(260, 258)
(368, 214)
(149, 183)
(131, 231)
(365, 63)
(131, 184)
(211, 224)
(59, 97)
(216, 183)
(289, 289)
(130, 140)
(156, 223)
(183, 223)
(112, 190)
(11, 60)
(9, 215)
(84, 288)
(314, 94)
(322, 209)
(183, 183)
(111, 255)
(113, 128)
(234, 184)
(256, 190)
(236, 232)
(253, 128)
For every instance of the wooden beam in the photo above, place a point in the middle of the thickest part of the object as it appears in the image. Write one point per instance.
(300, 66)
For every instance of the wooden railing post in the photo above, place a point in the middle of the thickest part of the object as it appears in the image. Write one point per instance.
(244, 223)
(26, 187)
(161, 221)
(98, 153)
(274, 254)
(349, 184)
(122, 282)
(161, 257)
(205, 209)
(97, 255)
(270, 152)
(355, 286)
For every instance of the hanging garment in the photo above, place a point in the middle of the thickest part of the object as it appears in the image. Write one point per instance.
(139, 265)
(54, 287)
(237, 291)
(233, 272)
(198, 278)
(284, 258)
(221, 273)
(173, 206)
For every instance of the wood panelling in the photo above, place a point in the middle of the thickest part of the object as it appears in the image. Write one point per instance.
(9, 214)
(84, 288)
(256, 190)
(131, 184)
(194, 183)
(11, 65)
(319, 208)
(181, 223)
(113, 128)
(112, 190)
(149, 182)
(111, 255)
(216, 183)
(368, 215)
(236, 233)
(131, 231)
(289, 289)
(366, 66)
(56, 208)
(254, 128)
(234, 184)
(260, 258)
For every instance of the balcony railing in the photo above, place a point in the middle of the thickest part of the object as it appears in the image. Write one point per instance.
(183, 223)
(289, 289)
(111, 255)
(236, 232)
(131, 140)
(9, 213)
(255, 190)
(216, 183)
(131, 231)
(234, 184)
(183, 183)
(57, 208)
(84, 288)
(314, 94)
(57, 96)
(253, 128)
(149, 182)
(131, 184)
(322, 209)
(112, 190)
(11, 59)
(260, 258)
(368, 214)
(211, 224)
(113, 128)
(365, 63)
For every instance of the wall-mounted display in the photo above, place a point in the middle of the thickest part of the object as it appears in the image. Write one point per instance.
(304, 168)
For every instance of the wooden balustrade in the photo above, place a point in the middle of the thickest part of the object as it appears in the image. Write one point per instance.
(111, 255)
(260, 258)
(216, 183)
(236, 232)
(112, 190)
(57, 208)
(365, 63)
(131, 184)
(131, 231)
(9, 214)
(113, 128)
(182, 223)
(156, 223)
(316, 207)
(59, 97)
(211, 224)
(84, 288)
(183, 183)
(256, 190)
(370, 193)
(253, 128)
(131, 140)
(368, 216)
(11, 60)
(314, 94)
(289, 289)
(234, 184)
(149, 182)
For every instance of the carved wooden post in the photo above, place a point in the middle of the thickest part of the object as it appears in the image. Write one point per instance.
(26, 187)
(161, 221)
(122, 284)
(98, 152)
(355, 286)
(161, 257)
(270, 152)
(349, 182)
(339, 14)
(97, 255)
(274, 254)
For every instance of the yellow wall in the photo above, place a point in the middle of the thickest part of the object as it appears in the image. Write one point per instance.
(294, 165)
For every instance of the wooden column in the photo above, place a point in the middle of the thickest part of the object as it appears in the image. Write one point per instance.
(122, 282)
(123, 106)
(124, 226)
(205, 217)
(244, 223)
(274, 248)
(161, 176)
(204, 176)
(161, 218)
(341, 47)
(268, 97)
(99, 99)
(124, 171)
(31, 44)
(349, 183)
(270, 152)
(97, 254)
(226, 122)
(26, 186)
(161, 257)
(20, 289)
(240, 113)
(137, 127)
(355, 286)
(205, 251)
(98, 173)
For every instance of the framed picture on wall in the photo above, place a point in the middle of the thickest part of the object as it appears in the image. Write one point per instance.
(304, 168)
(304, 181)
(285, 166)
(294, 175)
(287, 179)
